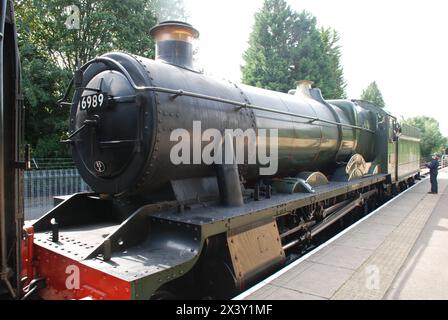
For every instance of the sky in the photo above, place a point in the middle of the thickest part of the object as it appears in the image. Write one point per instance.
(402, 45)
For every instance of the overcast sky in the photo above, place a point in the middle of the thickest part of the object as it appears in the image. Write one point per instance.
(400, 44)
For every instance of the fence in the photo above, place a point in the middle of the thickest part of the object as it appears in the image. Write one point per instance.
(40, 186)
(52, 163)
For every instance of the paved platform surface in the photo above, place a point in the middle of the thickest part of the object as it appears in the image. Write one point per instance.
(398, 252)
(425, 273)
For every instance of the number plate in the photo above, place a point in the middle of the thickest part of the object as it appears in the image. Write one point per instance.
(92, 102)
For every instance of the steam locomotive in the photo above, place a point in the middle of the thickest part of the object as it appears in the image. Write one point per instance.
(156, 229)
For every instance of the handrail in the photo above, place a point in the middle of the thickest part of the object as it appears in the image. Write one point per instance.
(179, 92)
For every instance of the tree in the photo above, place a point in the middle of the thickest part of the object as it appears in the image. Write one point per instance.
(286, 46)
(431, 140)
(268, 58)
(103, 26)
(45, 122)
(373, 94)
(316, 56)
(330, 38)
(53, 44)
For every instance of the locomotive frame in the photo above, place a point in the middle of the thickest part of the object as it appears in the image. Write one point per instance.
(183, 246)
(178, 243)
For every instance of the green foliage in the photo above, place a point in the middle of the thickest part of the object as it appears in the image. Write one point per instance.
(45, 122)
(432, 140)
(268, 58)
(330, 39)
(50, 52)
(373, 94)
(104, 26)
(310, 61)
(286, 46)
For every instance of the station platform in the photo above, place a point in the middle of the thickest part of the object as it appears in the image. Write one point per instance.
(399, 251)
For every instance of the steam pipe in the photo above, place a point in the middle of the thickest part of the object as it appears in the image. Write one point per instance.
(228, 177)
(229, 185)
(177, 93)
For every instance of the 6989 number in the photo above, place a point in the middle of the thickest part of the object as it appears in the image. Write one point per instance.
(92, 102)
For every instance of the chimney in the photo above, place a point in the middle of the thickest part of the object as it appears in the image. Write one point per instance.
(174, 43)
